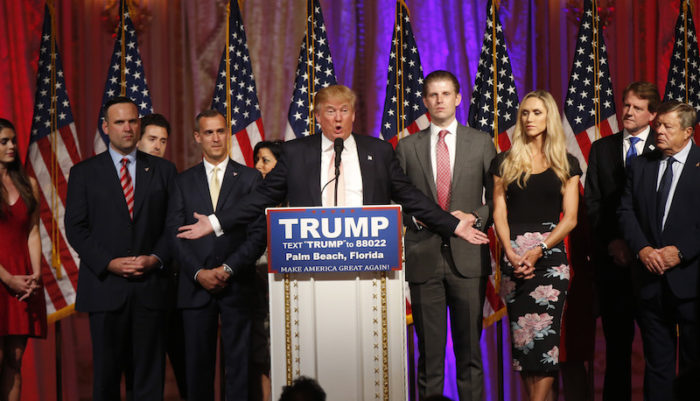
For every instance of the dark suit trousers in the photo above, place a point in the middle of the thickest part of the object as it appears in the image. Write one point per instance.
(657, 318)
(465, 299)
(201, 329)
(616, 295)
(128, 340)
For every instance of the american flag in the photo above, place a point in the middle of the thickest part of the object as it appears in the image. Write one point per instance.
(490, 75)
(404, 111)
(125, 76)
(236, 76)
(53, 150)
(481, 109)
(684, 85)
(314, 71)
(589, 86)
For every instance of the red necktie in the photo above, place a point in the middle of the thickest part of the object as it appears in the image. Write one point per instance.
(444, 172)
(127, 186)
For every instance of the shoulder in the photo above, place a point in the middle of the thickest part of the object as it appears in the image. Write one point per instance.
(244, 171)
(474, 133)
(91, 162)
(607, 142)
(370, 142)
(574, 165)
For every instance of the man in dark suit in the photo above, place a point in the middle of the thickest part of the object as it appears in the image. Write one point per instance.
(216, 272)
(371, 176)
(443, 272)
(605, 181)
(115, 217)
(660, 220)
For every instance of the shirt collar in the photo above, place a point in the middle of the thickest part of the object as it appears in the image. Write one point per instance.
(208, 167)
(348, 143)
(117, 157)
(682, 155)
(642, 135)
(451, 128)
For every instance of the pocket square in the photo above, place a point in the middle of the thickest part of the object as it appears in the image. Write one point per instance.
(369, 157)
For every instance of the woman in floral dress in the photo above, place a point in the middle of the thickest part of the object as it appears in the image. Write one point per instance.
(535, 182)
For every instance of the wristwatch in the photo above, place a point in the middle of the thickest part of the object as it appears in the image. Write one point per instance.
(478, 223)
(228, 269)
(544, 247)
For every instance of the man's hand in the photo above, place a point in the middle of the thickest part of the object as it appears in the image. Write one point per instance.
(652, 260)
(470, 234)
(197, 230)
(211, 279)
(620, 252)
(669, 255)
(132, 266)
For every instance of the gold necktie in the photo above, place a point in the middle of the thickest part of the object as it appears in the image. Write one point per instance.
(214, 187)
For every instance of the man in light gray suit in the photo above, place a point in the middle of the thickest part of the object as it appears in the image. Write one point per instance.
(449, 163)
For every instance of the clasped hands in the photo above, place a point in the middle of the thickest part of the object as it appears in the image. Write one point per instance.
(657, 261)
(132, 266)
(524, 266)
(24, 286)
(213, 280)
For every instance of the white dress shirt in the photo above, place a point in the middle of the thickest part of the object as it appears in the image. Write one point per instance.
(208, 168)
(351, 170)
(680, 157)
(639, 146)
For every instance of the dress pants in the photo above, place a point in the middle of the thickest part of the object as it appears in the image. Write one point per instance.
(430, 301)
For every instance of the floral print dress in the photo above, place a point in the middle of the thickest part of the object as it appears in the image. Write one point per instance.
(535, 305)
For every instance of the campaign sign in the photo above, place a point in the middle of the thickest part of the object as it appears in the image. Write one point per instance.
(334, 239)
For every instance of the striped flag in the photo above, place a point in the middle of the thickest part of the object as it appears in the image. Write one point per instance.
(53, 150)
(683, 83)
(235, 95)
(589, 109)
(314, 71)
(404, 111)
(125, 76)
(494, 87)
(494, 109)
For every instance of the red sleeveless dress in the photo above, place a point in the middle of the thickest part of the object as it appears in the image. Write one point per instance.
(28, 317)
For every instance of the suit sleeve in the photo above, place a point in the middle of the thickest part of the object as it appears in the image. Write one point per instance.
(78, 226)
(163, 247)
(254, 245)
(626, 213)
(414, 202)
(592, 193)
(408, 220)
(484, 211)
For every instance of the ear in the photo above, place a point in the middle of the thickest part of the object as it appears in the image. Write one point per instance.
(197, 137)
(104, 125)
(458, 99)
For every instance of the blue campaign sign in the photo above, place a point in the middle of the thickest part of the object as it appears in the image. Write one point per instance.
(342, 239)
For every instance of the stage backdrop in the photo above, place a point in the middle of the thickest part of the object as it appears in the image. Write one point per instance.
(181, 44)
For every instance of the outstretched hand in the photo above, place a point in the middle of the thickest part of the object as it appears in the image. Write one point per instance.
(197, 230)
(470, 234)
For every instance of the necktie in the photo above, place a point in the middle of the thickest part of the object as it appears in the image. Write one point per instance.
(329, 194)
(632, 151)
(127, 186)
(663, 191)
(444, 172)
(214, 187)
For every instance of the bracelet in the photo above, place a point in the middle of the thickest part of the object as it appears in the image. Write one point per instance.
(544, 247)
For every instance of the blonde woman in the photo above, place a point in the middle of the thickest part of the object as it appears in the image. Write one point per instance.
(535, 182)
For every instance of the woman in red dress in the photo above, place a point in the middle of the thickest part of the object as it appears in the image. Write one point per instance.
(22, 307)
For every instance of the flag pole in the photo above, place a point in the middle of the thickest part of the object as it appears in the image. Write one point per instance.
(497, 272)
(310, 63)
(596, 68)
(685, 45)
(124, 8)
(399, 88)
(228, 78)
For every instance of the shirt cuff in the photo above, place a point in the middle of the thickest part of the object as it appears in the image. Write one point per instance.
(160, 261)
(215, 225)
(417, 225)
(196, 273)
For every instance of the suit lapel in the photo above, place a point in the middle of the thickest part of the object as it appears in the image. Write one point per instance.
(650, 143)
(652, 171)
(686, 180)
(113, 182)
(462, 147)
(201, 186)
(422, 149)
(367, 168)
(618, 157)
(144, 174)
(313, 167)
(230, 177)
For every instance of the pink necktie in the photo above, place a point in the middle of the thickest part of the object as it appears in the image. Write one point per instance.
(329, 195)
(127, 186)
(444, 172)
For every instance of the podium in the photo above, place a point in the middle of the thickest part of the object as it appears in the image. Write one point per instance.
(337, 300)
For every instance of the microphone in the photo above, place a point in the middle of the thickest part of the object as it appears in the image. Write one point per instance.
(338, 145)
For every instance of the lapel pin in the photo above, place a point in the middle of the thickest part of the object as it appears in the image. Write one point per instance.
(369, 157)
(697, 164)
(147, 168)
(235, 173)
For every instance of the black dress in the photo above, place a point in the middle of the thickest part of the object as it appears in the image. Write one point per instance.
(535, 305)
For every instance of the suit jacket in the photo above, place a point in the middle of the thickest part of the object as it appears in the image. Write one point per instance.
(297, 177)
(637, 216)
(99, 228)
(237, 248)
(605, 182)
(474, 151)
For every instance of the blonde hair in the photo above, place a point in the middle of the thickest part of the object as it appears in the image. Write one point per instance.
(335, 92)
(517, 165)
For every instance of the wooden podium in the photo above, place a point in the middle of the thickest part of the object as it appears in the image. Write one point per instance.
(346, 329)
